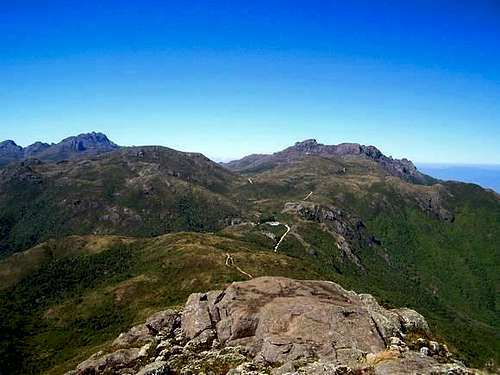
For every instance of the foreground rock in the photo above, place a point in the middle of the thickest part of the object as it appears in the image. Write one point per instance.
(274, 325)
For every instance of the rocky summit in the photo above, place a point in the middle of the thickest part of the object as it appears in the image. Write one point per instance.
(279, 326)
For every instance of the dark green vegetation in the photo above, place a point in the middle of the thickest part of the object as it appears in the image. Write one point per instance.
(429, 246)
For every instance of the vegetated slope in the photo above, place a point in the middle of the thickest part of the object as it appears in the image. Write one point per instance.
(141, 191)
(432, 247)
(80, 146)
(63, 299)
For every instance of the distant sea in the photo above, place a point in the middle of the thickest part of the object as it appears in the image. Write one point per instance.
(487, 176)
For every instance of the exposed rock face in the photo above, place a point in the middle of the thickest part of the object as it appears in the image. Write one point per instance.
(432, 205)
(346, 228)
(142, 334)
(275, 325)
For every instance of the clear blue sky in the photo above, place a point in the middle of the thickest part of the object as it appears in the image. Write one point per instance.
(418, 79)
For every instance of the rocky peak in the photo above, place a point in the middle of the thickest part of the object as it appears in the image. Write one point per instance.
(87, 141)
(8, 143)
(306, 146)
(279, 326)
(9, 146)
(403, 168)
(343, 149)
(10, 151)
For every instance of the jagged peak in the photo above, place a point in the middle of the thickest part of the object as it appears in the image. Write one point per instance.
(97, 137)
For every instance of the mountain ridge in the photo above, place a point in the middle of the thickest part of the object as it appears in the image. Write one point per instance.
(402, 168)
(81, 145)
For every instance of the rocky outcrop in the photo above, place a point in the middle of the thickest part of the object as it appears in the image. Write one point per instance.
(280, 326)
(350, 231)
(142, 334)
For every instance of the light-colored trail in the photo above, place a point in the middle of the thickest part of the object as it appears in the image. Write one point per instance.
(230, 263)
(282, 237)
(308, 195)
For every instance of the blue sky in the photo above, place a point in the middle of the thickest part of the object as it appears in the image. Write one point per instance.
(418, 79)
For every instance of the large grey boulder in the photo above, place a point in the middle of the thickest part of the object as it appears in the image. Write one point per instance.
(163, 322)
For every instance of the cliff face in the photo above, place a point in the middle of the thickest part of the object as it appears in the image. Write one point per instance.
(275, 325)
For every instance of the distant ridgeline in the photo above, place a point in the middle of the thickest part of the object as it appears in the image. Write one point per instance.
(402, 168)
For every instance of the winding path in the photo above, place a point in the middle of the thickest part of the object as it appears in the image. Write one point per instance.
(230, 263)
(282, 237)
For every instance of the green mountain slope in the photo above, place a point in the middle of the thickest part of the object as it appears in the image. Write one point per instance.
(81, 292)
(142, 191)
